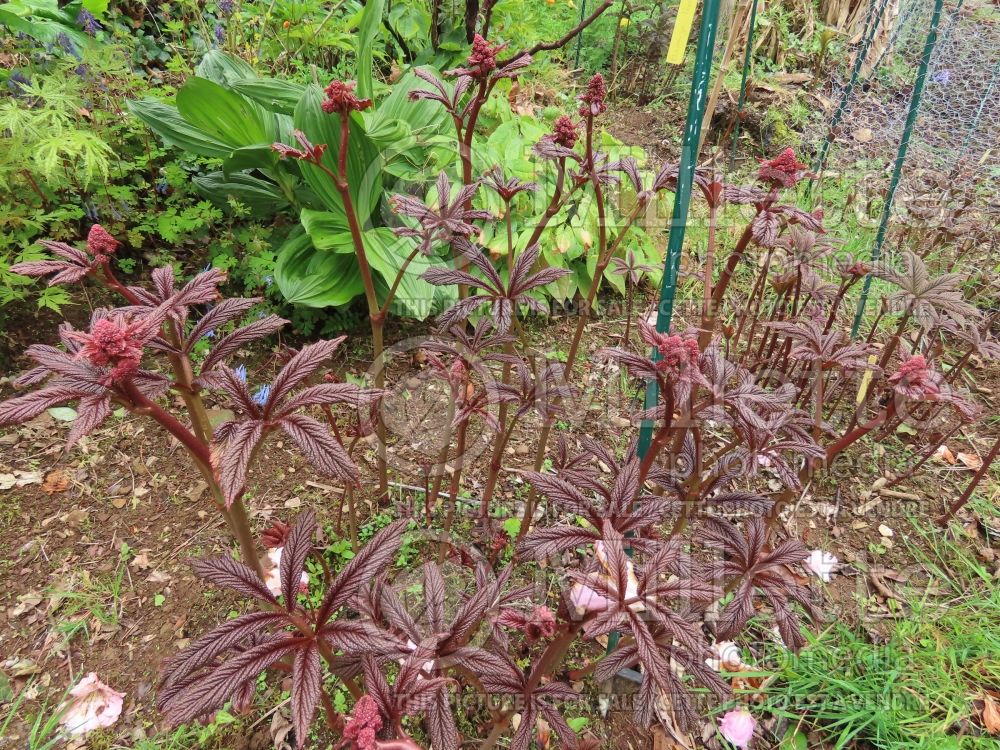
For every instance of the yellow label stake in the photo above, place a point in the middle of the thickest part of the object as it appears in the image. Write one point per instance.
(866, 380)
(682, 30)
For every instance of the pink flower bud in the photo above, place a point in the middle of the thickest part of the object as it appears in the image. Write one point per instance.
(784, 170)
(100, 243)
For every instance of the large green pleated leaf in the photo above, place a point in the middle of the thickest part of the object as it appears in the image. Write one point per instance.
(43, 20)
(275, 95)
(364, 164)
(310, 277)
(563, 288)
(328, 230)
(224, 69)
(174, 130)
(223, 114)
(368, 29)
(415, 298)
(263, 198)
(423, 116)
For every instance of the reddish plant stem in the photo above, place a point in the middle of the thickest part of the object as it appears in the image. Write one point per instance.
(605, 254)
(956, 368)
(834, 450)
(973, 483)
(442, 461)
(662, 435)
(835, 307)
(555, 203)
(629, 297)
(466, 132)
(497, 455)
(887, 352)
(719, 292)
(376, 314)
(564, 39)
(754, 301)
(112, 281)
(235, 514)
(818, 405)
(456, 484)
(554, 653)
(706, 305)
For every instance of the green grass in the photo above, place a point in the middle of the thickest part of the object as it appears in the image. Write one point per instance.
(41, 730)
(916, 689)
(86, 597)
(219, 734)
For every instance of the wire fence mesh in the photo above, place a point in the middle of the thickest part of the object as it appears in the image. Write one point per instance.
(960, 111)
(953, 160)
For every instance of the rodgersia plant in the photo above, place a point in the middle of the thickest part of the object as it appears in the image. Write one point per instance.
(108, 366)
(671, 548)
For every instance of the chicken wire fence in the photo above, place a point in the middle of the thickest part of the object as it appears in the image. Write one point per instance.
(952, 159)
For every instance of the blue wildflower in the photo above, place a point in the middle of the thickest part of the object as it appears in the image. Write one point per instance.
(261, 396)
(87, 22)
(226, 7)
(209, 334)
(67, 45)
(17, 82)
(220, 34)
(241, 373)
(162, 187)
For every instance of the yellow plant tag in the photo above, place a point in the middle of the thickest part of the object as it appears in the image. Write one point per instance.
(682, 30)
(866, 380)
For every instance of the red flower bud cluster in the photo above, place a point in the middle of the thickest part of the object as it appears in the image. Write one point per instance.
(341, 100)
(592, 100)
(541, 623)
(564, 132)
(784, 170)
(364, 724)
(859, 269)
(275, 535)
(483, 59)
(914, 379)
(115, 344)
(677, 353)
(101, 244)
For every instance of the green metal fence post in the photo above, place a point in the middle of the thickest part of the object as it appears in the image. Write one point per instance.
(682, 196)
(747, 55)
(904, 145)
(893, 38)
(579, 39)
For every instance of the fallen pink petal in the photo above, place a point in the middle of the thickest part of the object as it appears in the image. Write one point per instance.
(738, 726)
(822, 564)
(273, 576)
(94, 705)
